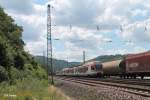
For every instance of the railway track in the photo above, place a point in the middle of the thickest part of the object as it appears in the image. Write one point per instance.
(124, 81)
(133, 82)
(126, 87)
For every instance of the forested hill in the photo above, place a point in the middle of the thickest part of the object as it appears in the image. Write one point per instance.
(15, 63)
(57, 64)
(106, 58)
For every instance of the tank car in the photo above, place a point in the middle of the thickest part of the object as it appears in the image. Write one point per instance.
(111, 68)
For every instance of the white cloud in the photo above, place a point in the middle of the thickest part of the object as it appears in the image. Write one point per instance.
(34, 24)
(137, 32)
(84, 16)
(35, 48)
(80, 37)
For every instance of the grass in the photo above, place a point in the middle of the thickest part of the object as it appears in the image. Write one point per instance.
(30, 89)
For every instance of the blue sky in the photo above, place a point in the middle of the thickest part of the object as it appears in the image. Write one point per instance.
(132, 16)
(41, 2)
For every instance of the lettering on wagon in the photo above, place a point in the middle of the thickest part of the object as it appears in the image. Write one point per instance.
(134, 65)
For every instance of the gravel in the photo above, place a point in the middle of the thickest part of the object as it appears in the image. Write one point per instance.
(102, 92)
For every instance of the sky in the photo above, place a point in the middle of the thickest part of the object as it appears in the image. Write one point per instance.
(83, 25)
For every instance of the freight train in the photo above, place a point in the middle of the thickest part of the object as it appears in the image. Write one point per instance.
(131, 66)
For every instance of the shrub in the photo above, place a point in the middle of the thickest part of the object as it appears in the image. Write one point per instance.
(3, 74)
(40, 73)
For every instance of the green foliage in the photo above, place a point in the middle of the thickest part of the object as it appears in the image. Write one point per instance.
(6, 58)
(40, 73)
(3, 74)
(19, 61)
(15, 74)
(15, 63)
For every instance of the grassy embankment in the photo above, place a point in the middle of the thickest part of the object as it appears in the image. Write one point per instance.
(30, 89)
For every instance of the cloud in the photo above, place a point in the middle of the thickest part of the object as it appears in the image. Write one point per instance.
(80, 37)
(77, 23)
(34, 24)
(76, 12)
(35, 48)
(33, 30)
(137, 32)
(18, 6)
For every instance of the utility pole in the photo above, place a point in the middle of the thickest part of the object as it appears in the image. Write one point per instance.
(44, 59)
(49, 45)
(83, 57)
(67, 62)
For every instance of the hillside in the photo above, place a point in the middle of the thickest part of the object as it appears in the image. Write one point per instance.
(58, 64)
(15, 63)
(105, 58)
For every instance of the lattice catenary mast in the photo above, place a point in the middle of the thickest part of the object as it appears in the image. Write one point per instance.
(49, 45)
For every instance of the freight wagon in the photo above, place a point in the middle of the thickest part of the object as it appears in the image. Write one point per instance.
(137, 65)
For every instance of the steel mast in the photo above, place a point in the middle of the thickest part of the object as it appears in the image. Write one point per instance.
(49, 45)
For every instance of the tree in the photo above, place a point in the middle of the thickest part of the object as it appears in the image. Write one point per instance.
(13, 57)
(19, 61)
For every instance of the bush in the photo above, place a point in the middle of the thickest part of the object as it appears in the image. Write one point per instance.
(19, 61)
(6, 55)
(3, 74)
(40, 73)
(14, 74)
